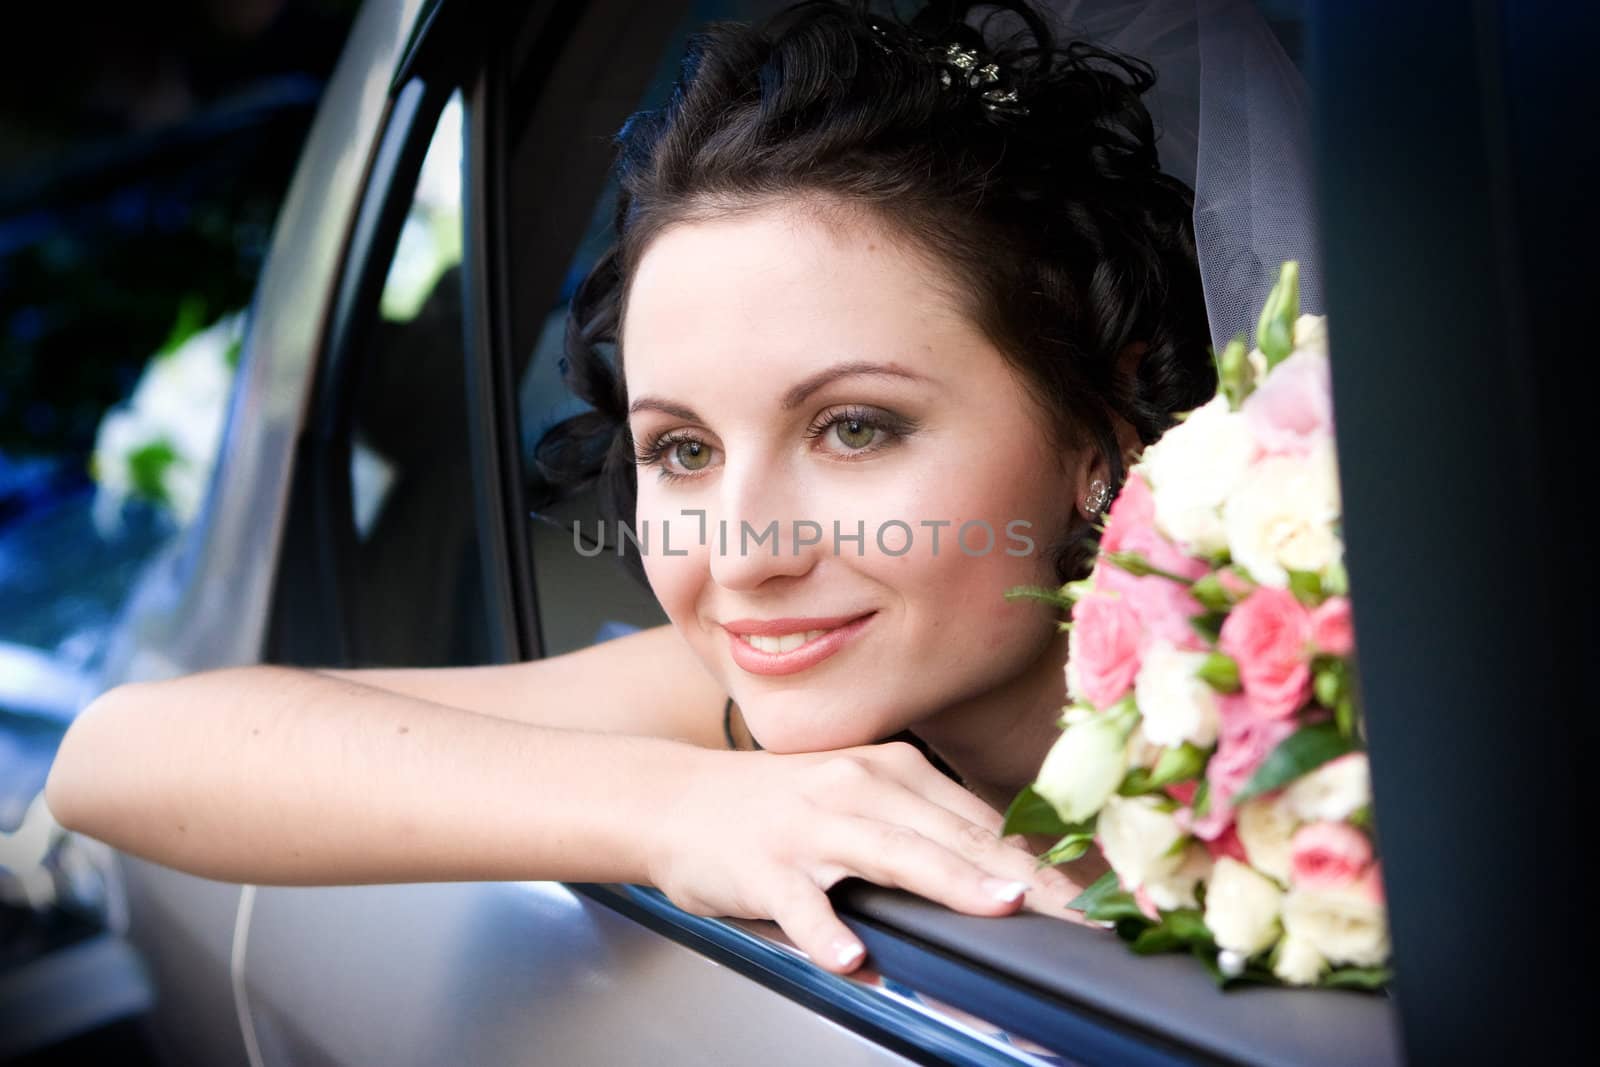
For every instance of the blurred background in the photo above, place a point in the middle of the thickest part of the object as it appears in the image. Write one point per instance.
(144, 153)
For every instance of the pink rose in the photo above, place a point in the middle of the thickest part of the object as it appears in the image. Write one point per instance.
(1244, 740)
(1105, 647)
(1328, 855)
(1371, 884)
(1268, 634)
(1331, 629)
(1292, 410)
(1228, 844)
(1163, 606)
(1133, 508)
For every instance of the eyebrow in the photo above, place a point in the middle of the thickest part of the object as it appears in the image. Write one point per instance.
(796, 394)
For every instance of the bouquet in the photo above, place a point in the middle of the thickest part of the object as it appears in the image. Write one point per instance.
(1213, 747)
(160, 446)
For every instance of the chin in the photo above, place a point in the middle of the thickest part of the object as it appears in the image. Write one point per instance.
(798, 721)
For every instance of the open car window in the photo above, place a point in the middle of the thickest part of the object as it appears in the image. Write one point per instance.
(1072, 990)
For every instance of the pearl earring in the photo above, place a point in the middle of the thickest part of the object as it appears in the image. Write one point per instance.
(1098, 497)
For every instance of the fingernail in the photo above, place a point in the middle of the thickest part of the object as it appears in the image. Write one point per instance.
(847, 952)
(1003, 891)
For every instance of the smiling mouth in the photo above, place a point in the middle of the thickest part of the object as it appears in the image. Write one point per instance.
(781, 646)
(785, 643)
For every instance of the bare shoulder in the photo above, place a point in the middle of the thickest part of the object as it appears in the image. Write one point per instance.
(649, 683)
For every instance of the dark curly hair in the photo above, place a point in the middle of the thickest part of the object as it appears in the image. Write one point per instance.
(1066, 241)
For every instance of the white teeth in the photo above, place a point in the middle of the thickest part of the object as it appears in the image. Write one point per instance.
(780, 644)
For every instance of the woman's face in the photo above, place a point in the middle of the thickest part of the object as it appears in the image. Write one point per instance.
(816, 376)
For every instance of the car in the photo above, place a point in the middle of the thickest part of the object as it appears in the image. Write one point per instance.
(371, 508)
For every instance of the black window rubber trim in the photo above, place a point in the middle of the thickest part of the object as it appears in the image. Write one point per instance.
(1078, 1035)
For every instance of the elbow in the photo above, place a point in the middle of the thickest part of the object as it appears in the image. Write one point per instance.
(74, 790)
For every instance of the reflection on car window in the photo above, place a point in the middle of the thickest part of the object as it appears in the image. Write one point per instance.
(384, 567)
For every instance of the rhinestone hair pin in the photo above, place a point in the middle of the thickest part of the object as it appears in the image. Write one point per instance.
(966, 70)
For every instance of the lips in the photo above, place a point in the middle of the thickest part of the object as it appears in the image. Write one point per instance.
(786, 646)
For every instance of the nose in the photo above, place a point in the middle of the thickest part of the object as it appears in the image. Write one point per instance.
(763, 532)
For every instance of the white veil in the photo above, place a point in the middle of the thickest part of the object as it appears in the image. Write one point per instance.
(1232, 116)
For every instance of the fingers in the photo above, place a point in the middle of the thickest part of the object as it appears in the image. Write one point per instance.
(806, 915)
(975, 842)
(895, 854)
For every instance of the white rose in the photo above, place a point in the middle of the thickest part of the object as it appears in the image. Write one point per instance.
(1282, 516)
(1298, 962)
(1192, 469)
(1345, 925)
(1311, 334)
(1141, 751)
(1177, 890)
(1085, 766)
(1177, 705)
(1266, 825)
(1333, 792)
(1242, 907)
(1137, 838)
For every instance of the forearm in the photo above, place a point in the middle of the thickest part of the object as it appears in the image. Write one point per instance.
(271, 775)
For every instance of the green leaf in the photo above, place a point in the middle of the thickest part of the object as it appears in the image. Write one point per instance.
(147, 468)
(1031, 813)
(231, 356)
(1177, 764)
(1116, 907)
(1329, 681)
(1136, 784)
(1201, 801)
(1302, 751)
(1235, 376)
(1066, 850)
(1208, 626)
(1188, 925)
(190, 321)
(1368, 978)
(1102, 887)
(1155, 939)
(1211, 593)
(1053, 597)
(1275, 328)
(1306, 587)
(1335, 579)
(1361, 818)
(1220, 672)
(1344, 716)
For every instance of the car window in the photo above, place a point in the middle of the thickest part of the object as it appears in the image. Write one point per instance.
(1020, 981)
(387, 500)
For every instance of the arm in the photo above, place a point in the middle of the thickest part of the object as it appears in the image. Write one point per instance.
(280, 776)
(277, 776)
(647, 683)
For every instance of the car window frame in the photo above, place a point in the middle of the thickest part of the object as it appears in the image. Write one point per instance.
(307, 622)
(724, 939)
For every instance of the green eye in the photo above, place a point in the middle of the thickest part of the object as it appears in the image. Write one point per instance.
(692, 455)
(855, 433)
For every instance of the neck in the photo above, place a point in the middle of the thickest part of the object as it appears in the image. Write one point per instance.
(997, 741)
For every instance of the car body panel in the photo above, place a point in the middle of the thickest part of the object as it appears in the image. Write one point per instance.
(204, 604)
(503, 973)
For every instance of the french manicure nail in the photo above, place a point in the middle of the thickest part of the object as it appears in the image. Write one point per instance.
(1003, 891)
(847, 952)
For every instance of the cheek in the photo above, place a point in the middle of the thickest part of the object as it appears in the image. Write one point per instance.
(676, 580)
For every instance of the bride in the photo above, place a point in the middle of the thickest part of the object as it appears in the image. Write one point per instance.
(889, 306)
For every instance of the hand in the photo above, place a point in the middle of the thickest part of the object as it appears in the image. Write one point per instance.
(763, 836)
